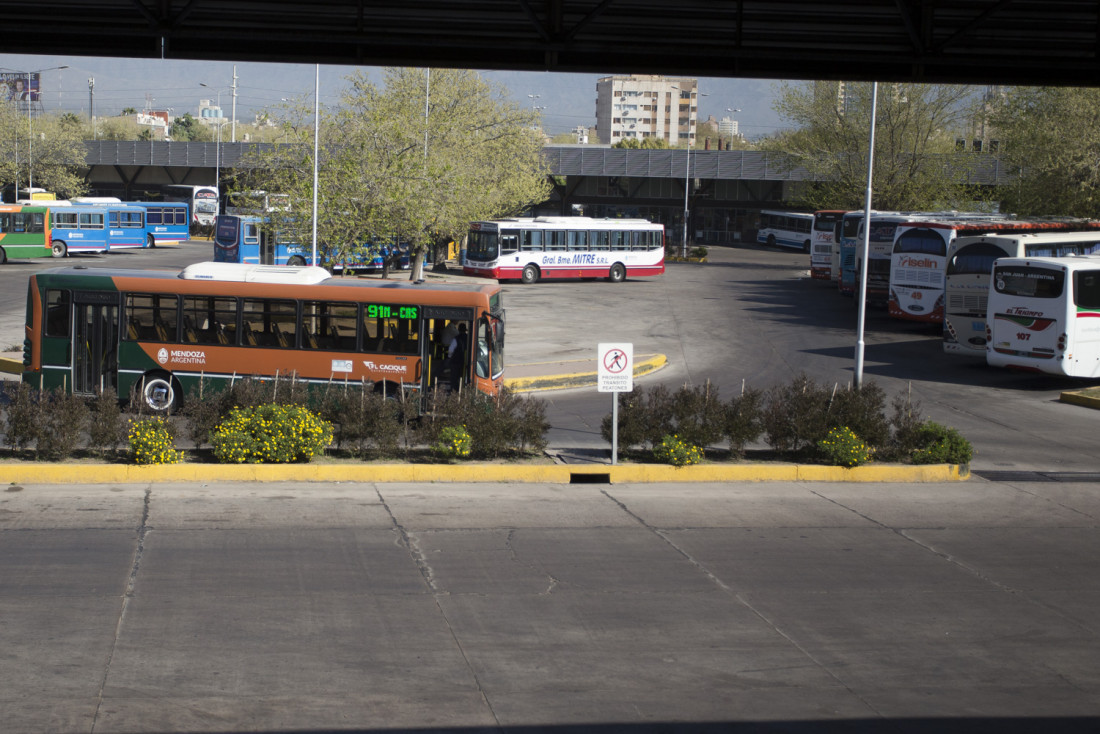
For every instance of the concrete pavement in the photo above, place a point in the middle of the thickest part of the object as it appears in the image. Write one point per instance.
(745, 608)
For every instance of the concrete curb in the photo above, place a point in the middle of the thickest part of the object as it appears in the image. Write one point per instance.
(29, 473)
(1078, 397)
(11, 366)
(645, 366)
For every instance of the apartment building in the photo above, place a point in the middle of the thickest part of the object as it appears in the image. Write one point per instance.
(643, 106)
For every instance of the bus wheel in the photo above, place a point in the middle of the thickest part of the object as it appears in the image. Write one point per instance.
(3, 256)
(152, 241)
(296, 261)
(58, 249)
(617, 274)
(530, 274)
(158, 393)
(771, 240)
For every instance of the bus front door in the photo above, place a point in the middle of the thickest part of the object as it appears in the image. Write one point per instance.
(267, 248)
(95, 342)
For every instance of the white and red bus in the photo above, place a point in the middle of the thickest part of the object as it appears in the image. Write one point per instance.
(825, 243)
(1044, 315)
(919, 263)
(969, 264)
(565, 247)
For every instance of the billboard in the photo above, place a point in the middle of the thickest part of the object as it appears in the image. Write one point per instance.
(16, 87)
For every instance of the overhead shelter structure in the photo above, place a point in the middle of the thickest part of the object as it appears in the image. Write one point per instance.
(966, 41)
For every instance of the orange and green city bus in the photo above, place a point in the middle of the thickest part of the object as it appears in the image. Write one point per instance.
(161, 334)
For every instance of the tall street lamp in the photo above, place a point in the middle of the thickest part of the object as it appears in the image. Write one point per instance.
(687, 172)
(218, 145)
(30, 124)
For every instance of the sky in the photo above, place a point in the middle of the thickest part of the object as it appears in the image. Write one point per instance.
(567, 100)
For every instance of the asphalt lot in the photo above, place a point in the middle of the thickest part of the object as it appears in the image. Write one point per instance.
(751, 315)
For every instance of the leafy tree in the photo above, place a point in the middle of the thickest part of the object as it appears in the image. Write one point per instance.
(651, 143)
(57, 151)
(389, 169)
(1049, 136)
(186, 127)
(128, 111)
(915, 159)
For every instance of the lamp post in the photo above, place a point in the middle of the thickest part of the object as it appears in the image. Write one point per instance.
(687, 172)
(218, 145)
(30, 125)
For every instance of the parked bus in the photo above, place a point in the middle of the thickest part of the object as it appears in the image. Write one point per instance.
(851, 242)
(880, 245)
(244, 239)
(966, 283)
(161, 334)
(1044, 315)
(24, 232)
(920, 258)
(166, 222)
(825, 243)
(203, 201)
(565, 247)
(786, 229)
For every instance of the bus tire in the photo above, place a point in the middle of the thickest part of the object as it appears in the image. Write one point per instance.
(159, 392)
(3, 256)
(58, 249)
(771, 240)
(530, 274)
(617, 273)
(296, 261)
(806, 247)
(152, 241)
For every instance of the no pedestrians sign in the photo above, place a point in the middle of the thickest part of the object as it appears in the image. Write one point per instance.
(615, 367)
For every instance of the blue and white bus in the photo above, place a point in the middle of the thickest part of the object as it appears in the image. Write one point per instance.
(242, 238)
(786, 229)
(166, 222)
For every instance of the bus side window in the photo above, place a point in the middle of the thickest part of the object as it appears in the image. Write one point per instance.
(509, 242)
(532, 240)
(1088, 289)
(58, 313)
(154, 317)
(578, 239)
(601, 240)
(5, 223)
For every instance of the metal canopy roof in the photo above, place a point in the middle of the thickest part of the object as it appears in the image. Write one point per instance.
(972, 41)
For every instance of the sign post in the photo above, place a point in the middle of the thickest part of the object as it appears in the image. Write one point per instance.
(615, 374)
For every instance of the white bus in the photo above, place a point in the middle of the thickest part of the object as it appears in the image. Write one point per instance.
(920, 258)
(1044, 315)
(826, 243)
(565, 247)
(786, 229)
(203, 201)
(966, 284)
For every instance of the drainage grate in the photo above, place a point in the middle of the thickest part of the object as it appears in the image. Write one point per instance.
(589, 478)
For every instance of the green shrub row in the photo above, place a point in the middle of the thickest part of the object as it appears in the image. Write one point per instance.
(253, 420)
(799, 420)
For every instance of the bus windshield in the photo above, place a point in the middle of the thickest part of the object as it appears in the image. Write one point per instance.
(1029, 282)
(924, 241)
(974, 259)
(482, 246)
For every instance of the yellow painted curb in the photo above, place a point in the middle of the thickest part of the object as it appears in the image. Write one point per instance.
(31, 473)
(579, 379)
(1078, 397)
(11, 366)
